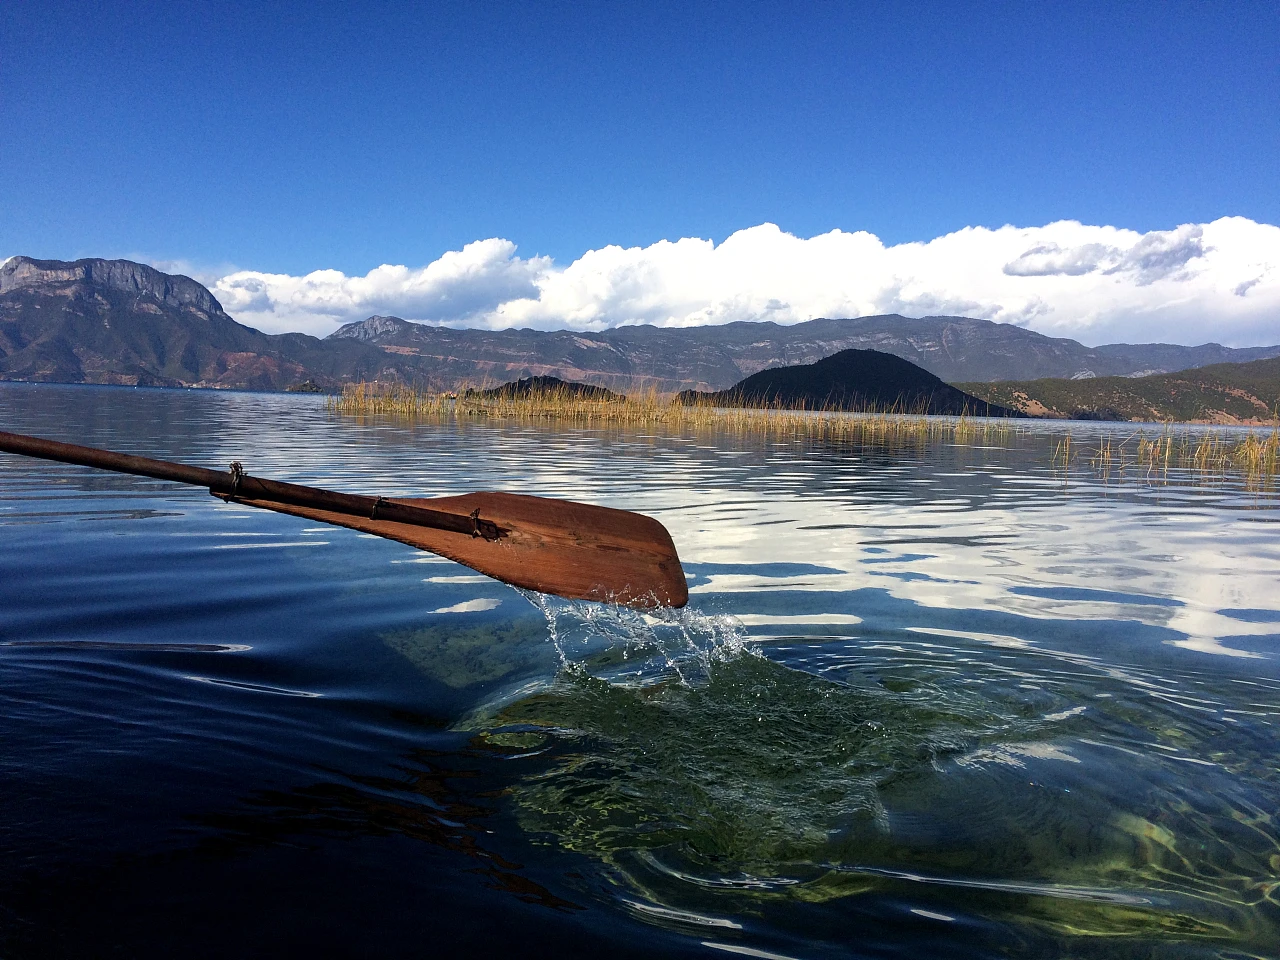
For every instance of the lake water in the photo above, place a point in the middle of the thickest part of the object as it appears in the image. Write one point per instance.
(923, 703)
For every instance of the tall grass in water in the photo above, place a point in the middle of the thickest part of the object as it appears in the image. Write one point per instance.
(388, 400)
(1203, 454)
(1206, 455)
(657, 410)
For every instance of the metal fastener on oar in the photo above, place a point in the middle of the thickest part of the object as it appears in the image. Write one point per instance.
(574, 550)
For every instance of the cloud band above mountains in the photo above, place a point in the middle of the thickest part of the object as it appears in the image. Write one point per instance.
(1199, 282)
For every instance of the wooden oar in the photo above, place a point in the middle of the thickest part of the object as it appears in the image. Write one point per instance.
(569, 549)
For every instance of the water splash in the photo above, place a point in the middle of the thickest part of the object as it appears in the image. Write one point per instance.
(625, 646)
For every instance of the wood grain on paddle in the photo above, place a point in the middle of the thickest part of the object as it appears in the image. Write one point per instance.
(574, 550)
(571, 549)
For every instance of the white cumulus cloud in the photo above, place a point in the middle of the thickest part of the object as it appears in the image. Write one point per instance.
(1194, 283)
(462, 287)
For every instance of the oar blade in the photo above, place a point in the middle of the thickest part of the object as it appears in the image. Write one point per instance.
(575, 550)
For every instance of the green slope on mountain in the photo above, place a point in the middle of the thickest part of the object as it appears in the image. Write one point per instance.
(1221, 393)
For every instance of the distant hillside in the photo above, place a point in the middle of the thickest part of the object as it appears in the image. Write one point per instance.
(851, 380)
(715, 357)
(1220, 393)
(115, 321)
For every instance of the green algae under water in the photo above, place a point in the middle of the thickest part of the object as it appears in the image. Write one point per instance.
(729, 781)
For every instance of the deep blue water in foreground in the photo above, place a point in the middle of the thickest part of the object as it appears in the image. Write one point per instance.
(935, 702)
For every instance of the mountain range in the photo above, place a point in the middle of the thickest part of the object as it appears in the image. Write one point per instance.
(716, 357)
(116, 321)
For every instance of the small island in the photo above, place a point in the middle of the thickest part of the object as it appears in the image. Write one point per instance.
(546, 387)
(851, 380)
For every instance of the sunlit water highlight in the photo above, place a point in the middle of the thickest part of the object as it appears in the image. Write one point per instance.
(942, 701)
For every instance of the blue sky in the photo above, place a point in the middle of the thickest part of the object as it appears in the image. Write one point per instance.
(279, 139)
(291, 137)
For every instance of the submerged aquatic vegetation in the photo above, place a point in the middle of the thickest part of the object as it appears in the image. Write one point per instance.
(709, 781)
(756, 766)
(715, 792)
(463, 656)
(761, 782)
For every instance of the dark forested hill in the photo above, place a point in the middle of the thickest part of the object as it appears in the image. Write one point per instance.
(851, 380)
(549, 387)
(115, 321)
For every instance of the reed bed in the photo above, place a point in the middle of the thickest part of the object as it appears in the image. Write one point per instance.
(662, 411)
(1205, 454)
(1153, 457)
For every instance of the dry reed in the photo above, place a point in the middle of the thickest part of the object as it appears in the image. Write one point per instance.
(1207, 454)
(655, 410)
(1201, 454)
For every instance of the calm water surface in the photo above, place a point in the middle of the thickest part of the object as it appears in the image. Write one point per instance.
(923, 703)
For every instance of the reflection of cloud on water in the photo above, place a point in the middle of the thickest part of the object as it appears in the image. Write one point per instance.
(1070, 559)
(746, 951)
(679, 916)
(979, 531)
(471, 606)
(995, 640)
(817, 619)
(1214, 646)
(1016, 755)
(748, 583)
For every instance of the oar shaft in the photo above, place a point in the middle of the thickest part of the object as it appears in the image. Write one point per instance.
(108, 460)
(242, 486)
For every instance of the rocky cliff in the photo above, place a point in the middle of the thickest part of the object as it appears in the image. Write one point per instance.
(120, 276)
(115, 321)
